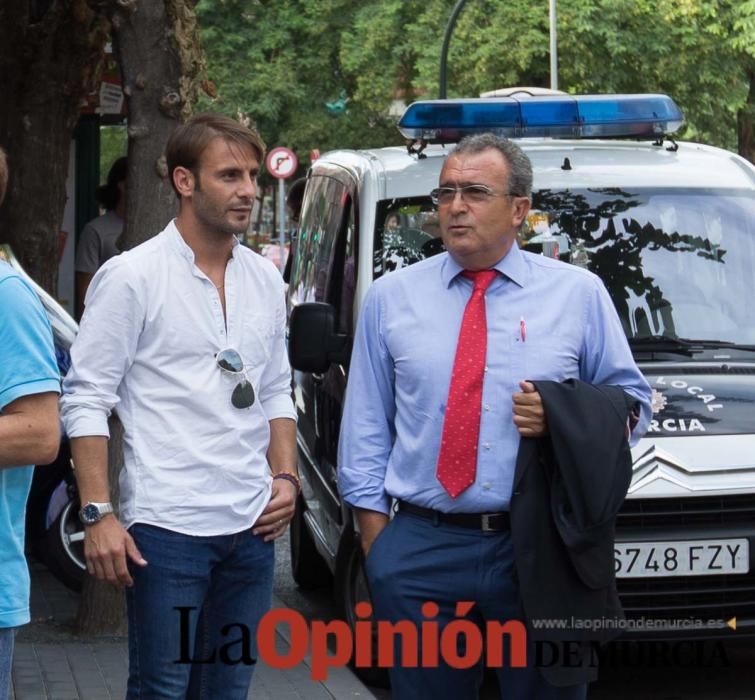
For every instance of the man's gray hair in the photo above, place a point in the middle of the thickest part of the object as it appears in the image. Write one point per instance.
(520, 168)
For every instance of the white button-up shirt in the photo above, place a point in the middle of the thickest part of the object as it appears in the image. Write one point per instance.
(193, 463)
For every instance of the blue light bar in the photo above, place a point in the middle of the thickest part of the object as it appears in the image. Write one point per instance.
(571, 116)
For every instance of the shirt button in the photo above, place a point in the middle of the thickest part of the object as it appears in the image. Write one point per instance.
(487, 445)
(486, 368)
(487, 406)
(486, 486)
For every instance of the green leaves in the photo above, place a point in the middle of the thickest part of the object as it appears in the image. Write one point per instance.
(281, 62)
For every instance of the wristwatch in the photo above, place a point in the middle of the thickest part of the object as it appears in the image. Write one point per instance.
(92, 513)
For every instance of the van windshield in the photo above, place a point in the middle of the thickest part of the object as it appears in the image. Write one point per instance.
(678, 263)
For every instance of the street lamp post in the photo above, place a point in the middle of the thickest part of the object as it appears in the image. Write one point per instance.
(443, 77)
(554, 45)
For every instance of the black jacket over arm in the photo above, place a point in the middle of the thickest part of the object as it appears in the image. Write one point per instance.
(568, 488)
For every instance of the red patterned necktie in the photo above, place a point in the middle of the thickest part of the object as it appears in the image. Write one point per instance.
(457, 461)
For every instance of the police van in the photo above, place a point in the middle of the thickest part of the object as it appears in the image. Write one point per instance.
(670, 229)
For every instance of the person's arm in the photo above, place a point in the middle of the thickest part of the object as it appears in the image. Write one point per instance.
(88, 252)
(367, 431)
(106, 543)
(83, 280)
(29, 379)
(607, 359)
(100, 356)
(371, 524)
(275, 396)
(281, 456)
(274, 391)
(30, 430)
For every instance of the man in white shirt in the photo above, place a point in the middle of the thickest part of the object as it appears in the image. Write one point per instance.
(185, 336)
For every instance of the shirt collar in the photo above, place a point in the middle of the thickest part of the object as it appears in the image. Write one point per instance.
(180, 245)
(511, 265)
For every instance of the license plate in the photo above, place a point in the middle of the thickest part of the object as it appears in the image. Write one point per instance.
(693, 558)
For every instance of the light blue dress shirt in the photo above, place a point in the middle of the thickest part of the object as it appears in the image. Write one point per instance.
(401, 370)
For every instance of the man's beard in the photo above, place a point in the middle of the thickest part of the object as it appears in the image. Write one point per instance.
(215, 222)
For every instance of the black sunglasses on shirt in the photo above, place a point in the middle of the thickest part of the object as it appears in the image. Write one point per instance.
(230, 361)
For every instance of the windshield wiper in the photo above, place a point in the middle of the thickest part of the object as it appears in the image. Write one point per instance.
(683, 346)
(664, 343)
(714, 344)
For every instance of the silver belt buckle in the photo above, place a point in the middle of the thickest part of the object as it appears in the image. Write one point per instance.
(486, 527)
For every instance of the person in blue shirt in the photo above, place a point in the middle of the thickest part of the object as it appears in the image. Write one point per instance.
(543, 319)
(29, 434)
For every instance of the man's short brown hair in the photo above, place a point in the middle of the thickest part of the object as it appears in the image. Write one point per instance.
(189, 140)
(3, 175)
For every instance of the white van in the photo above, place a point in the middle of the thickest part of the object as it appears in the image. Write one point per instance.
(670, 229)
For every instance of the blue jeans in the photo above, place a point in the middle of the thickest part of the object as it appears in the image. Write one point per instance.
(7, 638)
(193, 613)
(413, 561)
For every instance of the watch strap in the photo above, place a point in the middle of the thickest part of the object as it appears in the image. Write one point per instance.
(102, 509)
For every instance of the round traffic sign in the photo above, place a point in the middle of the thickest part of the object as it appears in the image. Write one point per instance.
(281, 162)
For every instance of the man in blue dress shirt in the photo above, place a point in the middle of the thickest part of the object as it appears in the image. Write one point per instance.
(545, 320)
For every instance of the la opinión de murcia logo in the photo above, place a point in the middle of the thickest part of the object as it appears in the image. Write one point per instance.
(372, 644)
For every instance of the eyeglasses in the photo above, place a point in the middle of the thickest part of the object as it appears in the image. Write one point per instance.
(230, 361)
(472, 194)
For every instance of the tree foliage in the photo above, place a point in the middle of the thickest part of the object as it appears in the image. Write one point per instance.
(278, 63)
(281, 62)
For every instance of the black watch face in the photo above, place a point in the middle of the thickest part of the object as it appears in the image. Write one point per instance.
(90, 513)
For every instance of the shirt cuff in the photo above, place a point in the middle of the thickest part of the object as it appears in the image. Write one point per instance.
(378, 502)
(37, 386)
(279, 407)
(85, 422)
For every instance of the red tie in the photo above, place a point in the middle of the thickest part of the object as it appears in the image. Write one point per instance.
(457, 461)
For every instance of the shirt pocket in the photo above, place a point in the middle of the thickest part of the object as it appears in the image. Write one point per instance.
(552, 357)
(257, 333)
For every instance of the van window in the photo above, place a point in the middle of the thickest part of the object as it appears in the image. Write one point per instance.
(676, 262)
(406, 231)
(325, 208)
(343, 281)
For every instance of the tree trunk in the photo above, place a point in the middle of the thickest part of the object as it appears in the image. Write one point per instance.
(746, 122)
(157, 45)
(50, 58)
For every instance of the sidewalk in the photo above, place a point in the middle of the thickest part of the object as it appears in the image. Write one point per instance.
(52, 663)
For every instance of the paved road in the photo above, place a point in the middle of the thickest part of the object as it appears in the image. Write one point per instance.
(53, 663)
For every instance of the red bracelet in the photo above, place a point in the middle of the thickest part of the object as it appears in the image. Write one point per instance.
(291, 478)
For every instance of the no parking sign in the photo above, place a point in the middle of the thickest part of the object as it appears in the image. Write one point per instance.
(281, 163)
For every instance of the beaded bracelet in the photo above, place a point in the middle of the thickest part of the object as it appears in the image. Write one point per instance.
(291, 478)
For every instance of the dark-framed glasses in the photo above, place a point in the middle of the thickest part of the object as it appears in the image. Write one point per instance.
(472, 194)
(230, 361)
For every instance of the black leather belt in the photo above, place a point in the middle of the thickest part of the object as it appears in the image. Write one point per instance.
(485, 522)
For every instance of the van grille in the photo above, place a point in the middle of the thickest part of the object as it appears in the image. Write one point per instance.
(705, 510)
(699, 597)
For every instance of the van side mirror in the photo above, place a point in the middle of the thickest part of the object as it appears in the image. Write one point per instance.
(313, 343)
